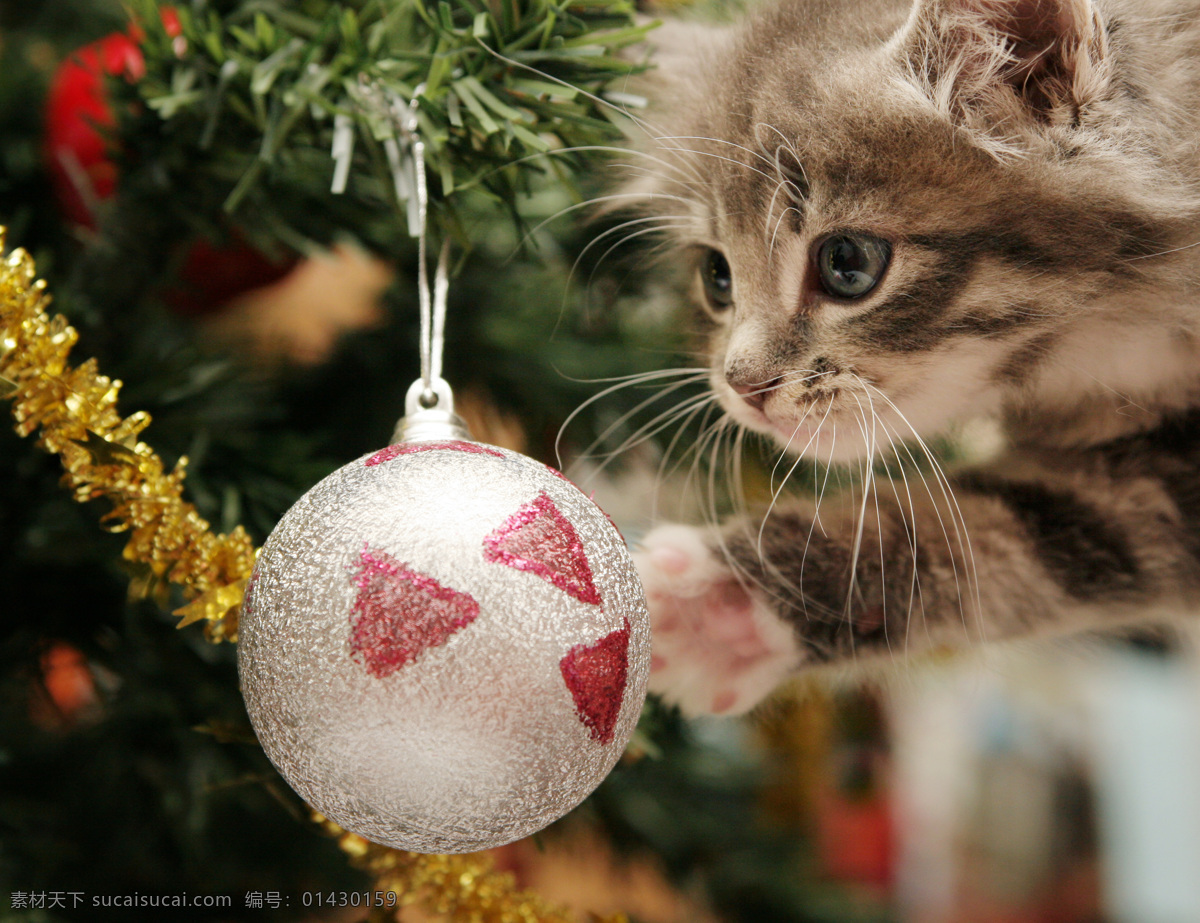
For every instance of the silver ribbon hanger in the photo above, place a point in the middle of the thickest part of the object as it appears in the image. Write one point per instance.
(434, 389)
(429, 403)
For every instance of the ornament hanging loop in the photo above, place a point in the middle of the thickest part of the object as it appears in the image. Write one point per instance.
(429, 405)
(430, 423)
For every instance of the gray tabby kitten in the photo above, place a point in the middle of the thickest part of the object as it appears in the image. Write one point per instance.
(900, 219)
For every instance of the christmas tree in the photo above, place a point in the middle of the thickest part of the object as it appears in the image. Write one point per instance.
(214, 196)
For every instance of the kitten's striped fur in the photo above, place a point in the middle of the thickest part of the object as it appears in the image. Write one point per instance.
(1035, 166)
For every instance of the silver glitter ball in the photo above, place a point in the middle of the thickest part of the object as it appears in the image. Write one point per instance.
(444, 646)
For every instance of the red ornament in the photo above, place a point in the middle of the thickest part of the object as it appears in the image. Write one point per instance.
(78, 147)
(539, 539)
(79, 118)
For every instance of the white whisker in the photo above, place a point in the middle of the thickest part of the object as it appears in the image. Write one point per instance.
(738, 163)
(962, 535)
(664, 224)
(624, 381)
(740, 147)
(799, 458)
(562, 212)
(621, 420)
(909, 522)
(648, 431)
(870, 456)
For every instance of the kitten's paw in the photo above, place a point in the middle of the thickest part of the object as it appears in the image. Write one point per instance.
(718, 648)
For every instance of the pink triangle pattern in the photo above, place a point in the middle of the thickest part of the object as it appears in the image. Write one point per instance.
(596, 674)
(399, 614)
(412, 448)
(539, 539)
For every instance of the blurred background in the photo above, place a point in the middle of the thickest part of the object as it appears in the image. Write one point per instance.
(274, 342)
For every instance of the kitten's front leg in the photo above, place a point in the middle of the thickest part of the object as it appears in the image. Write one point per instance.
(733, 613)
(729, 618)
(1067, 550)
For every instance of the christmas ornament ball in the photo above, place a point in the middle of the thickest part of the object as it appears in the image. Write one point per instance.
(444, 646)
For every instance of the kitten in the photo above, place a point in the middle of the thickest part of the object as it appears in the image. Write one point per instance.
(901, 218)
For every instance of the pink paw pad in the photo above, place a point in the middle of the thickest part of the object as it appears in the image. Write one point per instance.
(718, 646)
(671, 560)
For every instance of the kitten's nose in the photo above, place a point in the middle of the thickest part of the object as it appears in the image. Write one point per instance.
(753, 393)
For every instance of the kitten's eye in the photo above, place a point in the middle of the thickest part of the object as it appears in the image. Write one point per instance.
(850, 265)
(718, 280)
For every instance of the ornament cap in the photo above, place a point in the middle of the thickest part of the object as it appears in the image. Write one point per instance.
(429, 415)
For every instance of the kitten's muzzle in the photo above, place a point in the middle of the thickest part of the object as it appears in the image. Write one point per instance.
(753, 393)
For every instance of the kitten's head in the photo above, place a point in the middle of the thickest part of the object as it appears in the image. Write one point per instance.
(895, 215)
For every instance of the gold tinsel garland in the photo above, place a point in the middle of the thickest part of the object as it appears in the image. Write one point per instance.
(75, 409)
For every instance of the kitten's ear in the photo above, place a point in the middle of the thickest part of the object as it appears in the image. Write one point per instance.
(986, 61)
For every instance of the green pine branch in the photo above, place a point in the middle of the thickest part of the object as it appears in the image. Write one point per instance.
(248, 103)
